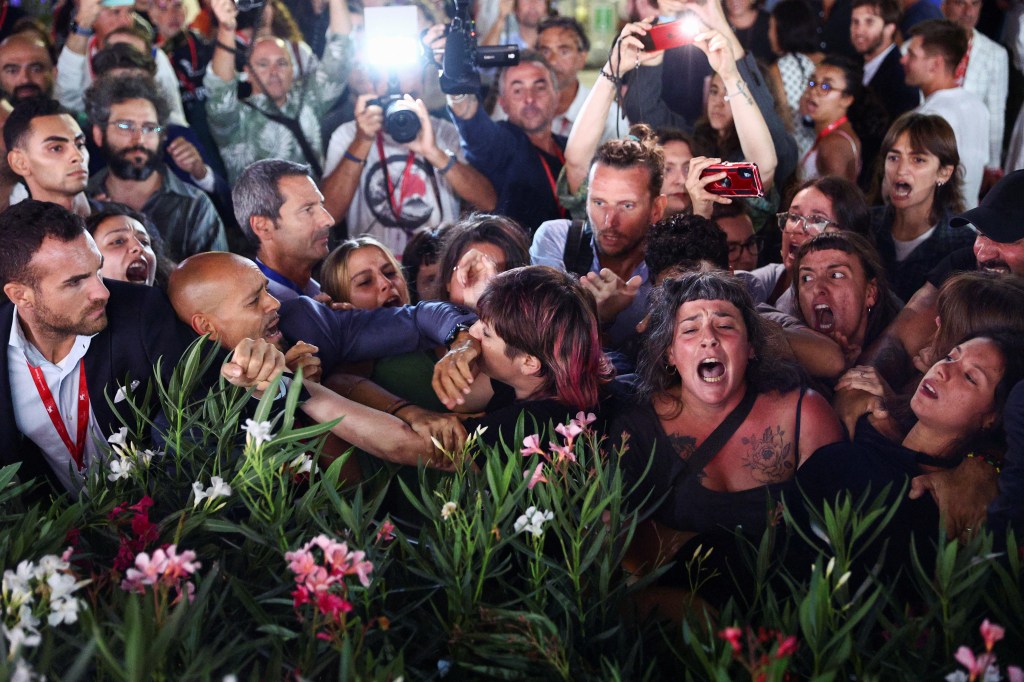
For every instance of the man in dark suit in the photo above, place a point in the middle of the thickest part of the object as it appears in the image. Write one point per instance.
(873, 27)
(73, 338)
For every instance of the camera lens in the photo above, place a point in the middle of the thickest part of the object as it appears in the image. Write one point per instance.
(401, 122)
(725, 182)
(746, 173)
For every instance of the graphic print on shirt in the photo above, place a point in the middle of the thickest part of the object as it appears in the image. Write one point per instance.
(405, 196)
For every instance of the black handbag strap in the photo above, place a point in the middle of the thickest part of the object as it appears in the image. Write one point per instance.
(296, 130)
(718, 438)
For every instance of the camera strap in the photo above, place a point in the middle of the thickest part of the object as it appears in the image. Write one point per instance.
(551, 177)
(410, 161)
(295, 129)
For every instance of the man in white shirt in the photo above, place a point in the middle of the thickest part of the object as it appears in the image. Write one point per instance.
(934, 50)
(985, 73)
(72, 338)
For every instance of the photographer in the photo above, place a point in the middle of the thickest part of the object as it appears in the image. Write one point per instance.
(388, 188)
(282, 117)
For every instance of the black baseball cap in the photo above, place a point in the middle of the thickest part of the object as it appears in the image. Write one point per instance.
(1000, 217)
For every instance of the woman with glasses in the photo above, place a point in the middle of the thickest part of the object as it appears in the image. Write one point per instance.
(826, 101)
(921, 186)
(824, 204)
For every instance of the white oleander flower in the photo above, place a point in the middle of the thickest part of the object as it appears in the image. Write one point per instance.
(533, 521)
(448, 509)
(119, 467)
(218, 488)
(258, 431)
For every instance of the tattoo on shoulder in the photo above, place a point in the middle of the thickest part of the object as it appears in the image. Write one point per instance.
(684, 447)
(769, 457)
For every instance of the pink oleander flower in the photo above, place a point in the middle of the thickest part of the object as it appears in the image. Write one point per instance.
(386, 532)
(569, 432)
(1015, 674)
(179, 565)
(975, 665)
(991, 633)
(584, 420)
(332, 605)
(787, 647)
(148, 569)
(733, 637)
(537, 476)
(301, 562)
(563, 452)
(531, 446)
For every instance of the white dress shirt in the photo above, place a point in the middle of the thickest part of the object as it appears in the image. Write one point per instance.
(872, 66)
(969, 119)
(987, 79)
(30, 415)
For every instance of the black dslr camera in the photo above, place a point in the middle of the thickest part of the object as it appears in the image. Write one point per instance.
(400, 119)
(462, 55)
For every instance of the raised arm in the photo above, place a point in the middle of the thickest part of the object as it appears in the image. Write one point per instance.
(223, 62)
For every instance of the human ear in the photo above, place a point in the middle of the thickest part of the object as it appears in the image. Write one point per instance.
(18, 163)
(872, 294)
(201, 324)
(529, 365)
(19, 294)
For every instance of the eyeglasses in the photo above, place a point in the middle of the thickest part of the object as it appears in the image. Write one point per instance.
(752, 246)
(825, 88)
(130, 128)
(811, 225)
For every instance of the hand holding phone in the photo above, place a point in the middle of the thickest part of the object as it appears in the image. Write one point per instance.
(673, 34)
(741, 179)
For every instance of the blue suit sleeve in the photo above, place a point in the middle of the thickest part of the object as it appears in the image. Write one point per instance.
(355, 335)
(1008, 507)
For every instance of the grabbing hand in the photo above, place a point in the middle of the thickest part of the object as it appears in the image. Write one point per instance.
(446, 429)
(253, 364)
(302, 355)
(226, 12)
(611, 293)
(455, 372)
(473, 272)
(962, 494)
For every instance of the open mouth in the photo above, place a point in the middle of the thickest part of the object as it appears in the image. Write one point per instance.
(137, 272)
(824, 318)
(995, 266)
(271, 333)
(901, 190)
(392, 302)
(928, 390)
(711, 371)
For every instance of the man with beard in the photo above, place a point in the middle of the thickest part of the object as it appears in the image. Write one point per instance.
(46, 149)
(73, 338)
(873, 26)
(26, 69)
(998, 247)
(623, 199)
(129, 119)
(521, 156)
(388, 189)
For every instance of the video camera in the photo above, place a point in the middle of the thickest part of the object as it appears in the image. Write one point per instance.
(462, 56)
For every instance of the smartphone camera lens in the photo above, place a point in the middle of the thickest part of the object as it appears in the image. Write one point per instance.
(725, 182)
(746, 173)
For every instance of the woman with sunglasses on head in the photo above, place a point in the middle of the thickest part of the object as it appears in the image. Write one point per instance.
(826, 204)
(922, 188)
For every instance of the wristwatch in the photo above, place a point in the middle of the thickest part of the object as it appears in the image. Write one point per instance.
(80, 30)
(451, 162)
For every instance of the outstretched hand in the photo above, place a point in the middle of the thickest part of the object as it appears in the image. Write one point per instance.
(253, 364)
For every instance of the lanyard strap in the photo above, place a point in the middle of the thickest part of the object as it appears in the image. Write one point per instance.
(410, 161)
(77, 449)
(551, 177)
(829, 129)
(275, 276)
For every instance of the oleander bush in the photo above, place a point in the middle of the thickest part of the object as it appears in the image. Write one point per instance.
(212, 546)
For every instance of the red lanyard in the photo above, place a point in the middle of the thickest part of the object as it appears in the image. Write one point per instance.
(410, 161)
(77, 449)
(829, 129)
(961, 68)
(551, 176)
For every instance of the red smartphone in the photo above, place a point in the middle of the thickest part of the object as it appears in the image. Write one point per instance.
(741, 180)
(673, 34)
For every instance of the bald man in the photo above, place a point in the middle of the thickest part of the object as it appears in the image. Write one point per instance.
(226, 296)
(26, 69)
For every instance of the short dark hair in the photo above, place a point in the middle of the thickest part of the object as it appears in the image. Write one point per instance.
(666, 135)
(639, 148)
(23, 227)
(796, 25)
(423, 249)
(684, 240)
(529, 57)
(122, 56)
(945, 37)
(889, 10)
(501, 231)
(569, 24)
(850, 207)
(109, 90)
(257, 191)
(19, 123)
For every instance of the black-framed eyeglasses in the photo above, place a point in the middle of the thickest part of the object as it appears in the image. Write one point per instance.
(752, 246)
(811, 225)
(130, 128)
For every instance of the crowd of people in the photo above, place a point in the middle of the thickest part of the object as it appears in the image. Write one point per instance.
(539, 247)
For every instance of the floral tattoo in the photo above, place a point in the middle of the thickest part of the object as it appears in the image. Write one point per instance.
(769, 458)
